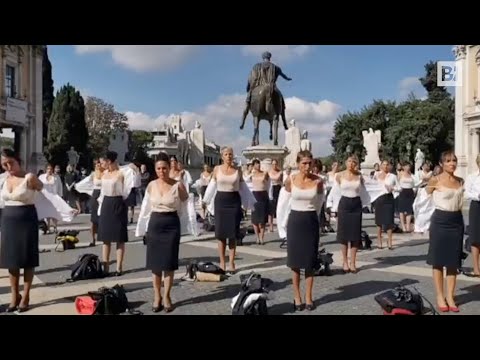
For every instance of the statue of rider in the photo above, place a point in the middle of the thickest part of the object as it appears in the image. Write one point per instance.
(263, 73)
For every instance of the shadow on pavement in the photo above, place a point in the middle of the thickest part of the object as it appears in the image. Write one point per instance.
(354, 291)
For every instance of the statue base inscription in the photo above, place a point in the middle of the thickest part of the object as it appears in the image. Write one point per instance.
(266, 154)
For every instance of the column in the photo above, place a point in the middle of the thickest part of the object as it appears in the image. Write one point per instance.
(477, 92)
(475, 143)
(25, 69)
(461, 147)
(2, 71)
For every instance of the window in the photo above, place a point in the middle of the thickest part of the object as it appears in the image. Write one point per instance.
(10, 81)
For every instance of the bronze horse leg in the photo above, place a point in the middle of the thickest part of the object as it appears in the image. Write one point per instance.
(275, 129)
(256, 131)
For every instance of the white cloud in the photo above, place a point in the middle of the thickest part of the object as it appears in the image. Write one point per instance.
(409, 85)
(279, 52)
(221, 122)
(143, 58)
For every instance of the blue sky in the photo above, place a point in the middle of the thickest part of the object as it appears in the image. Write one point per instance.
(207, 83)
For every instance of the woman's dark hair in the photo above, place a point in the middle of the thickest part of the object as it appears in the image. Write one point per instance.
(111, 156)
(163, 157)
(304, 154)
(446, 154)
(173, 157)
(255, 161)
(9, 153)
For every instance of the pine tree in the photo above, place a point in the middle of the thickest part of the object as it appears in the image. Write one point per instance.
(48, 96)
(67, 127)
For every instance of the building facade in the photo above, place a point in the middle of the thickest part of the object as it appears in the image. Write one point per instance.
(172, 138)
(467, 108)
(21, 100)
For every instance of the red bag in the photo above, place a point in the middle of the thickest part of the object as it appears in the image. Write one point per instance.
(85, 305)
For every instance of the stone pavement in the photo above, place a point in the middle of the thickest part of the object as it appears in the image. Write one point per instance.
(350, 294)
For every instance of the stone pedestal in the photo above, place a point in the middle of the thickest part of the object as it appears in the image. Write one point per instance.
(266, 154)
(366, 169)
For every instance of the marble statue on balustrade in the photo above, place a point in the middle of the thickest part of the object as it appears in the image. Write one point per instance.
(73, 157)
(419, 160)
(305, 144)
(197, 146)
(292, 143)
(371, 143)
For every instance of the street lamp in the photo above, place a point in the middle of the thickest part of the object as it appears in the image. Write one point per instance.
(409, 147)
(349, 149)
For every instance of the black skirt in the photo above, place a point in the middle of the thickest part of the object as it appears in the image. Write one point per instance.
(163, 242)
(132, 198)
(405, 201)
(19, 239)
(446, 239)
(261, 208)
(113, 220)
(228, 214)
(385, 211)
(349, 223)
(202, 190)
(273, 203)
(303, 234)
(474, 223)
(94, 206)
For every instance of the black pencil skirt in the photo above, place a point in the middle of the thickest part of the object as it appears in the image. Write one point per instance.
(303, 234)
(19, 238)
(163, 242)
(94, 206)
(446, 239)
(349, 223)
(405, 201)
(474, 223)
(261, 208)
(113, 220)
(385, 211)
(228, 214)
(273, 203)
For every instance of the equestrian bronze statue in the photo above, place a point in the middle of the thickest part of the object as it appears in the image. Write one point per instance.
(264, 99)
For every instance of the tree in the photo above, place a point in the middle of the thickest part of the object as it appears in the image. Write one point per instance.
(102, 119)
(425, 124)
(67, 128)
(429, 82)
(48, 96)
(348, 128)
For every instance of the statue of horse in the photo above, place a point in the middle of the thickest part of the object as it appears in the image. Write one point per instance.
(266, 104)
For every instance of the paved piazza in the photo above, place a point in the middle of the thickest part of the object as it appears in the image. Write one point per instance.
(350, 294)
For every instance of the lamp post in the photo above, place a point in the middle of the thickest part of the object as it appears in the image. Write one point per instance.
(349, 150)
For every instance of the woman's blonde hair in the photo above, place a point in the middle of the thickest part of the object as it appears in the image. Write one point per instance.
(226, 148)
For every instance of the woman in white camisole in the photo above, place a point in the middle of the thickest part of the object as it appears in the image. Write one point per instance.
(260, 183)
(165, 196)
(385, 204)
(472, 190)
(53, 184)
(303, 227)
(276, 178)
(446, 230)
(19, 224)
(349, 212)
(113, 218)
(407, 197)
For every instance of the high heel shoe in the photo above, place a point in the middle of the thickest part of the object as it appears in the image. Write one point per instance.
(296, 307)
(11, 309)
(310, 307)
